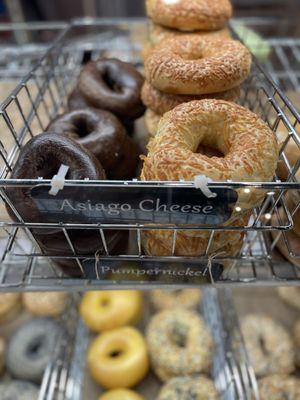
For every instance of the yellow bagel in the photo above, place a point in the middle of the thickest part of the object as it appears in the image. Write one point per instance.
(106, 310)
(118, 358)
(121, 394)
(190, 15)
(197, 65)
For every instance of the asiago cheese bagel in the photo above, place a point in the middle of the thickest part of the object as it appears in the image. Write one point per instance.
(190, 15)
(159, 33)
(151, 120)
(248, 148)
(160, 102)
(197, 65)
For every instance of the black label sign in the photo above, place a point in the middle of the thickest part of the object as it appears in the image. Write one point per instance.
(162, 273)
(134, 205)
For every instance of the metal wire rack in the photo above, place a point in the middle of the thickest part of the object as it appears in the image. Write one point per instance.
(56, 380)
(278, 50)
(232, 373)
(38, 99)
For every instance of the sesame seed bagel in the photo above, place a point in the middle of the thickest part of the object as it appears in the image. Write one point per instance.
(269, 345)
(190, 15)
(159, 33)
(151, 120)
(279, 387)
(187, 388)
(197, 65)
(167, 299)
(248, 146)
(161, 102)
(179, 343)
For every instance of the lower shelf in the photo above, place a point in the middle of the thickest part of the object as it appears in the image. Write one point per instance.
(68, 379)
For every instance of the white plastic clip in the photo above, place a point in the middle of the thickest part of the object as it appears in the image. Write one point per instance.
(58, 181)
(201, 182)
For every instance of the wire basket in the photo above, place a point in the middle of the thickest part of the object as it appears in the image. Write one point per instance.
(231, 371)
(43, 93)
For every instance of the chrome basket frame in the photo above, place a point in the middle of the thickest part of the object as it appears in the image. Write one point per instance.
(39, 97)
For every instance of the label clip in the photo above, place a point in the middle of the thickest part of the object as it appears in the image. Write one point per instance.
(201, 182)
(58, 180)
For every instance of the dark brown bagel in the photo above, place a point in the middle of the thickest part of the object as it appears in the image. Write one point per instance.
(101, 133)
(112, 85)
(77, 102)
(42, 157)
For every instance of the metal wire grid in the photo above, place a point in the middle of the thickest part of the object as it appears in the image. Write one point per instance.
(42, 94)
(278, 49)
(232, 372)
(23, 44)
(57, 374)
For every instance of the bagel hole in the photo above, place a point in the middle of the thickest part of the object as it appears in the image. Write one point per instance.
(263, 347)
(48, 166)
(209, 151)
(115, 353)
(104, 302)
(82, 127)
(34, 348)
(179, 335)
(110, 82)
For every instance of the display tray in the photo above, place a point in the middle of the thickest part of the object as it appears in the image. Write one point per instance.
(231, 371)
(43, 93)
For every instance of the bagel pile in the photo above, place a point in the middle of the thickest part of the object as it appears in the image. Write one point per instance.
(117, 357)
(191, 83)
(173, 56)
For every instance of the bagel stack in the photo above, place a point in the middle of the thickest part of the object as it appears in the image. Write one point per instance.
(175, 20)
(176, 153)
